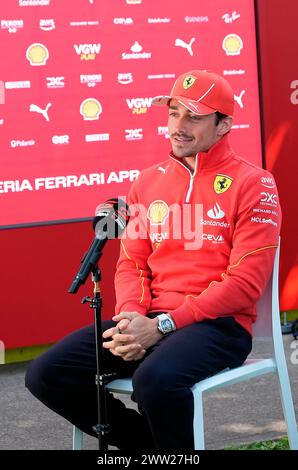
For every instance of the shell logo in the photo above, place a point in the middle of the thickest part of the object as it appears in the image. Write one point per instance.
(158, 212)
(90, 109)
(232, 44)
(37, 54)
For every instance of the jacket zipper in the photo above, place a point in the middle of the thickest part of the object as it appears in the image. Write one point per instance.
(192, 175)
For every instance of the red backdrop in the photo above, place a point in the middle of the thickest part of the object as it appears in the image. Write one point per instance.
(37, 267)
(77, 123)
(279, 70)
(38, 263)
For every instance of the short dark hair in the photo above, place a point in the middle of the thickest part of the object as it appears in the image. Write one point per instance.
(219, 116)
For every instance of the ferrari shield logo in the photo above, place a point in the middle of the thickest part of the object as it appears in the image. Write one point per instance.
(188, 81)
(222, 183)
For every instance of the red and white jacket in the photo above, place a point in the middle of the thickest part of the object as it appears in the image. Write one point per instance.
(230, 208)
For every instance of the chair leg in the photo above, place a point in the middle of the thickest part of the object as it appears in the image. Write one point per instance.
(288, 409)
(77, 439)
(198, 421)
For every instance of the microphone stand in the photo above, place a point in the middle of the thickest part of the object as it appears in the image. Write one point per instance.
(102, 428)
(112, 217)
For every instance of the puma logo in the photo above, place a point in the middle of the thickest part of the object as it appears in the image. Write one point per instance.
(185, 45)
(36, 109)
(238, 99)
(162, 169)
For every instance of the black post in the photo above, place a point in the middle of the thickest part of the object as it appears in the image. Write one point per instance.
(102, 428)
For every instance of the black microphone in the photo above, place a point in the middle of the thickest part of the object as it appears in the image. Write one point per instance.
(110, 221)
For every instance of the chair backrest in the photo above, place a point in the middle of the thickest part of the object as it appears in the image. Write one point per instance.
(268, 318)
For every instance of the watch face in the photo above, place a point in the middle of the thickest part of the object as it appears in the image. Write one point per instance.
(165, 326)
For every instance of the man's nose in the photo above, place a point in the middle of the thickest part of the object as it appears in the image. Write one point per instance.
(181, 124)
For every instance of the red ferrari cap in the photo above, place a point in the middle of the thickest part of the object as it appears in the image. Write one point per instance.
(201, 92)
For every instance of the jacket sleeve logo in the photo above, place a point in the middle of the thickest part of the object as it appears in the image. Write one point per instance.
(222, 183)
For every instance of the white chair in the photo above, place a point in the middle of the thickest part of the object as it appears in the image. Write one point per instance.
(267, 325)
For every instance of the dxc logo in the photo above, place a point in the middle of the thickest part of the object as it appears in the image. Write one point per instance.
(269, 198)
(55, 82)
(134, 134)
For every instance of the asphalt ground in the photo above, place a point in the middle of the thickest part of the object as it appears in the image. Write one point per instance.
(243, 413)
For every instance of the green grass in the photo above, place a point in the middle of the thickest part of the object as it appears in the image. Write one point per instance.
(291, 315)
(24, 354)
(279, 444)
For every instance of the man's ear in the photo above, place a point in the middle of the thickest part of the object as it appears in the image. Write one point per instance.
(224, 125)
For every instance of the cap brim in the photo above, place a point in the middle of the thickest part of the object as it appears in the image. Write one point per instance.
(193, 106)
(160, 100)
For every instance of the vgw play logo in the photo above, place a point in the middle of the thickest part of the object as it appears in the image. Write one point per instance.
(139, 105)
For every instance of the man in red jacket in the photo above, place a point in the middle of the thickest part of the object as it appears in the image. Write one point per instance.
(185, 305)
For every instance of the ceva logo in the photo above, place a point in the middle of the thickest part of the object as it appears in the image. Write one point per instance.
(123, 21)
(213, 238)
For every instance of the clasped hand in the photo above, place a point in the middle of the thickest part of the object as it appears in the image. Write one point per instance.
(131, 337)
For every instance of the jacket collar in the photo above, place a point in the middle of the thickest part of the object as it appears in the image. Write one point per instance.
(214, 157)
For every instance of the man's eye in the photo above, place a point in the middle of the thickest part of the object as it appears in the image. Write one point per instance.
(173, 114)
(195, 118)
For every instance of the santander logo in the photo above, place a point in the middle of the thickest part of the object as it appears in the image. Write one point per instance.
(216, 212)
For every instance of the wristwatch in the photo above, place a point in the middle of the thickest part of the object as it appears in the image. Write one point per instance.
(165, 324)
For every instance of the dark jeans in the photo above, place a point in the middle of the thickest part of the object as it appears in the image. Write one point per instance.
(63, 378)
